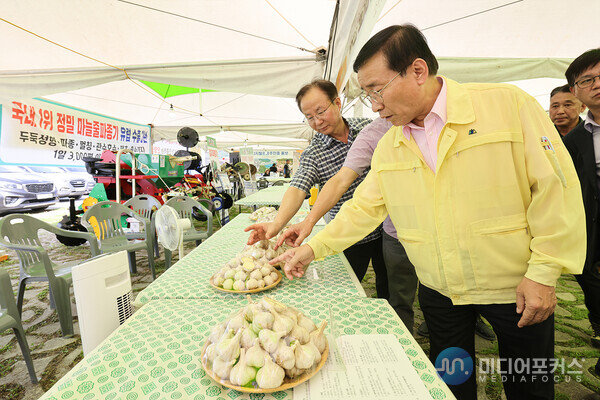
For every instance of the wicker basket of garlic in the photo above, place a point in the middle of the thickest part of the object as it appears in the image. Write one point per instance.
(246, 274)
(265, 347)
(250, 270)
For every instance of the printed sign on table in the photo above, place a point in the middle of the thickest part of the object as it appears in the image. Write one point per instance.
(44, 132)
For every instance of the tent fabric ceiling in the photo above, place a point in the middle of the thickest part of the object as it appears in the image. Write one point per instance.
(184, 42)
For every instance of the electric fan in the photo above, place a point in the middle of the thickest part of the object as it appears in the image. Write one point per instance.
(170, 228)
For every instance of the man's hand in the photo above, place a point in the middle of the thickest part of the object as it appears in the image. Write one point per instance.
(262, 231)
(295, 234)
(296, 261)
(535, 301)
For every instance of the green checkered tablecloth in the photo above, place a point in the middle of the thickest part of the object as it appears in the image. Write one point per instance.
(189, 277)
(270, 196)
(155, 354)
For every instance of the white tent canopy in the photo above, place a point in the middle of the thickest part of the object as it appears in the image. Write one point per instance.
(257, 54)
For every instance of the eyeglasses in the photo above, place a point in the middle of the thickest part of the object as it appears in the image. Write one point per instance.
(586, 82)
(319, 115)
(375, 96)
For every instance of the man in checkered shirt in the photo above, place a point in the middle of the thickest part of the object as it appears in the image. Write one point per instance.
(320, 104)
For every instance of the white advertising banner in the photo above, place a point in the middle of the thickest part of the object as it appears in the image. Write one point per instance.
(213, 153)
(48, 133)
(247, 155)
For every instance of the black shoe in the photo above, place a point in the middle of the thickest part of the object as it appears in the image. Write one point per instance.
(423, 331)
(484, 331)
(596, 335)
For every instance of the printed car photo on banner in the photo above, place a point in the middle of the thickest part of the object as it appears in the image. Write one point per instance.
(44, 132)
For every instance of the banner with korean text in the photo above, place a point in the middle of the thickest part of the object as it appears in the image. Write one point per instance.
(48, 133)
(247, 155)
(213, 153)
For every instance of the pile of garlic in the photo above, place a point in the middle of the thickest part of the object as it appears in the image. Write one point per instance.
(258, 346)
(264, 214)
(244, 272)
(264, 251)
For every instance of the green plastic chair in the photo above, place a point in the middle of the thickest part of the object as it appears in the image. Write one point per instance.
(10, 318)
(184, 206)
(105, 219)
(20, 232)
(145, 205)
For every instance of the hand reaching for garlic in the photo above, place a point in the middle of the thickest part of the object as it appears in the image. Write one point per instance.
(250, 270)
(262, 344)
(295, 261)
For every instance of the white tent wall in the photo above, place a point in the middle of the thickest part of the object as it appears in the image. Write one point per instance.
(528, 41)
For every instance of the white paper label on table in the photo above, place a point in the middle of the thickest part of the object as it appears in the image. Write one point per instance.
(364, 367)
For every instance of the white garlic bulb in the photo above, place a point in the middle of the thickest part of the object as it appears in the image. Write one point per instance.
(222, 367)
(216, 333)
(269, 339)
(265, 271)
(270, 254)
(262, 320)
(229, 346)
(268, 280)
(236, 322)
(270, 375)
(211, 352)
(240, 276)
(241, 374)
(248, 338)
(282, 323)
(228, 284)
(255, 356)
(239, 285)
(251, 284)
(318, 337)
(256, 275)
(257, 253)
(316, 353)
(305, 357)
(284, 355)
(230, 273)
(306, 323)
(300, 334)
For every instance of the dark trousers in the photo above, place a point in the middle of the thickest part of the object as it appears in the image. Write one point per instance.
(590, 285)
(453, 326)
(402, 280)
(359, 256)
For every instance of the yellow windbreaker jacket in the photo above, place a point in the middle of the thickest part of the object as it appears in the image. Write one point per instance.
(503, 203)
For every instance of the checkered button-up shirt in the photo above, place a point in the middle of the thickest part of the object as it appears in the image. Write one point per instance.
(323, 159)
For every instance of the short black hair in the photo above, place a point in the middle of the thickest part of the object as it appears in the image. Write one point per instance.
(401, 45)
(581, 64)
(560, 89)
(324, 85)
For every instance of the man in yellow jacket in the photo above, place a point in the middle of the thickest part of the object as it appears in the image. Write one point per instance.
(486, 203)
